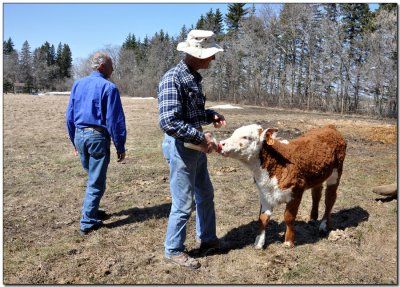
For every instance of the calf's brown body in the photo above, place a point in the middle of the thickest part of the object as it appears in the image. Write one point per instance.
(305, 162)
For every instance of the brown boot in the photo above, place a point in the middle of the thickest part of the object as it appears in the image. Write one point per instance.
(183, 260)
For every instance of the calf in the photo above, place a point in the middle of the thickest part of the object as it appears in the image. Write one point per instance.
(284, 169)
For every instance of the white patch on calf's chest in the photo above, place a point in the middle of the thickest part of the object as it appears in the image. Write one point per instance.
(270, 193)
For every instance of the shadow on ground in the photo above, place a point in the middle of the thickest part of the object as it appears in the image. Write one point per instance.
(140, 214)
(306, 233)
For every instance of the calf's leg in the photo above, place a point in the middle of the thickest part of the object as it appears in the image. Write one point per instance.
(290, 215)
(332, 184)
(330, 198)
(316, 192)
(263, 220)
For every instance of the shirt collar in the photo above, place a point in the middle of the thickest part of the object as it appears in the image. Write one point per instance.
(182, 65)
(97, 74)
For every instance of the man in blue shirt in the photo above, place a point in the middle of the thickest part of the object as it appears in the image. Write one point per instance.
(95, 116)
(182, 114)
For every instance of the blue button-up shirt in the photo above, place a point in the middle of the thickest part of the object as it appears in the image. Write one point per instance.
(96, 102)
(181, 104)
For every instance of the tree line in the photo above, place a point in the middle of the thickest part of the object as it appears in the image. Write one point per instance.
(327, 57)
(46, 69)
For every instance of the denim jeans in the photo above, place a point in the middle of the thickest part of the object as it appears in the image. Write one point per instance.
(189, 179)
(94, 151)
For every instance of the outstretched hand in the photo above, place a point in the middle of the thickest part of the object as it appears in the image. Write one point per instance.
(218, 120)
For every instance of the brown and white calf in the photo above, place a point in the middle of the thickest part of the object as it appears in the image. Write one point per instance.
(284, 169)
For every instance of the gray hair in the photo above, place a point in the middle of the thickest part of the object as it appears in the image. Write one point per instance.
(98, 59)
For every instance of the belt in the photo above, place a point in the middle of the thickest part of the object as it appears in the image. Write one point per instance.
(99, 129)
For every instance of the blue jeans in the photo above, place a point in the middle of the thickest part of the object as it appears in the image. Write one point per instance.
(188, 178)
(94, 151)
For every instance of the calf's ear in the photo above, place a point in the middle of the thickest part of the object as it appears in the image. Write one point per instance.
(269, 135)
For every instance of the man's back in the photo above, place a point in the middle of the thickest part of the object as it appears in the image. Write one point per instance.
(88, 95)
(95, 102)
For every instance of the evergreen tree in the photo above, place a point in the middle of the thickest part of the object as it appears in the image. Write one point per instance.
(183, 34)
(45, 68)
(65, 63)
(8, 47)
(58, 59)
(162, 36)
(218, 23)
(46, 49)
(10, 65)
(130, 42)
(356, 20)
(236, 12)
(25, 66)
(212, 21)
(201, 23)
(144, 48)
(146, 42)
(52, 55)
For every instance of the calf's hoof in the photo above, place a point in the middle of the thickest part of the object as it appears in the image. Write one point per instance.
(288, 244)
(323, 228)
(259, 243)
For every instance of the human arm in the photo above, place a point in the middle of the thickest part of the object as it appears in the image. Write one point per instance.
(70, 119)
(115, 120)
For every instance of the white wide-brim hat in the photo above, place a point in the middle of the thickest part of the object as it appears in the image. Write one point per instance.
(200, 44)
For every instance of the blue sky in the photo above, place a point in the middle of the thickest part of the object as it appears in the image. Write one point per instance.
(89, 27)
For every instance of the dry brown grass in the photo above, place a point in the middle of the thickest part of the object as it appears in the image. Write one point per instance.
(44, 185)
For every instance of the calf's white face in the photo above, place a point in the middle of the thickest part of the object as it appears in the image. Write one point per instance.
(245, 143)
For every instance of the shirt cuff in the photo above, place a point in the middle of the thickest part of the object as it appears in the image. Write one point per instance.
(210, 115)
(120, 148)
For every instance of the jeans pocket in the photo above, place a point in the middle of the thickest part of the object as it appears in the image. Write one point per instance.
(98, 145)
(166, 146)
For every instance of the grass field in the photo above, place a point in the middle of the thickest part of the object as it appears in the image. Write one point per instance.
(44, 186)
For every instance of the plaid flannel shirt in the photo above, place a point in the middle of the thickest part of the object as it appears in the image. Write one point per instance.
(181, 104)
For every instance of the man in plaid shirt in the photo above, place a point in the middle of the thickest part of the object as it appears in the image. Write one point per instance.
(182, 114)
